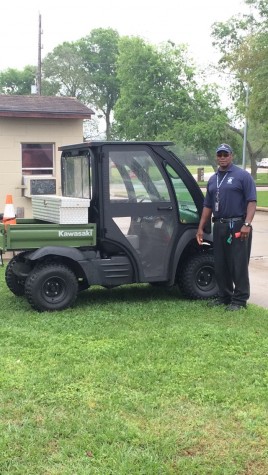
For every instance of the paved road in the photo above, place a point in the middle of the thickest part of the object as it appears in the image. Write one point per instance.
(258, 267)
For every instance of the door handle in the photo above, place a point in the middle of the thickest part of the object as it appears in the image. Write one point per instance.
(167, 208)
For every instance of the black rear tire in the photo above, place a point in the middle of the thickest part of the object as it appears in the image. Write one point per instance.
(196, 279)
(51, 287)
(14, 283)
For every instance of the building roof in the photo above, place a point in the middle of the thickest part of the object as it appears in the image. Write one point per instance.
(50, 107)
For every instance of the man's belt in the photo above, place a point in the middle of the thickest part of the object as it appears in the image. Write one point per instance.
(227, 220)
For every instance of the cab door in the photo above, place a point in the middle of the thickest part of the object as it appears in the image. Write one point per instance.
(139, 208)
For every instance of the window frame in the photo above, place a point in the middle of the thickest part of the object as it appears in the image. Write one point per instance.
(42, 170)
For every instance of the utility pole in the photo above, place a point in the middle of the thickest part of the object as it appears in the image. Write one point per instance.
(245, 129)
(38, 75)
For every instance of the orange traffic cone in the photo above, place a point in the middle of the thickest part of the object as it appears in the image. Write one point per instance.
(9, 216)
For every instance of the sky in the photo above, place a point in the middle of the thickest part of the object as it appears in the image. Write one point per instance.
(180, 21)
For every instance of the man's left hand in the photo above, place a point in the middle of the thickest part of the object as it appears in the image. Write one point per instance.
(245, 231)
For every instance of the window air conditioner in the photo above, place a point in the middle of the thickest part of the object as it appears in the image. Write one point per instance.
(38, 185)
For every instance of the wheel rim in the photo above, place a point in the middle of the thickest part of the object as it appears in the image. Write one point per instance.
(54, 289)
(205, 278)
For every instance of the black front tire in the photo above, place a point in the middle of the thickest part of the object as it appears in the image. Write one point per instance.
(14, 283)
(51, 287)
(196, 279)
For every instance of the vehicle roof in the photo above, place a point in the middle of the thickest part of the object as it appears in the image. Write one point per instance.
(97, 143)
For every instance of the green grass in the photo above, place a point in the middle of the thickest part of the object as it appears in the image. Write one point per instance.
(133, 381)
(262, 179)
(262, 198)
(193, 168)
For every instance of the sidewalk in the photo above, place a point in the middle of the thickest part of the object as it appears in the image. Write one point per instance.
(258, 266)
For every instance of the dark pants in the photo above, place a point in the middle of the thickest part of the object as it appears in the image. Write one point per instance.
(231, 263)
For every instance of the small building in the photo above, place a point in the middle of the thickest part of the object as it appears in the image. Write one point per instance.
(31, 130)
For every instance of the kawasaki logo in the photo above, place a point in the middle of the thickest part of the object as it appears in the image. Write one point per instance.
(86, 233)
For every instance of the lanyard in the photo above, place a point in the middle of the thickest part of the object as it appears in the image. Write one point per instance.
(219, 184)
(217, 201)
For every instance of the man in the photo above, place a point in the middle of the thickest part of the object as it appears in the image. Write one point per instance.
(231, 198)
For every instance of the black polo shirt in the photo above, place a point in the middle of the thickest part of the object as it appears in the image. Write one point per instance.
(236, 188)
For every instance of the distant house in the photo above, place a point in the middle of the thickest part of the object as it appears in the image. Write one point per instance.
(31, 130)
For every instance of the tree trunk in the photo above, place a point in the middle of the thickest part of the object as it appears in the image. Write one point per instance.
(252, 155)
(254, 167)
(212, 160)
(108, 126)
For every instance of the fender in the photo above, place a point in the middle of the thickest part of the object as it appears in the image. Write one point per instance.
(62, 251)
(95, 270)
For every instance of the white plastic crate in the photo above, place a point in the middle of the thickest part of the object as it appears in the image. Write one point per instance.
(60, 209)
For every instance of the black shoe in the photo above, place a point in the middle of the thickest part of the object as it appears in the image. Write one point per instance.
(233, 307)
(217, 302)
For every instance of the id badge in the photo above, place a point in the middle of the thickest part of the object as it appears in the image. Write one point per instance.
(217, 206)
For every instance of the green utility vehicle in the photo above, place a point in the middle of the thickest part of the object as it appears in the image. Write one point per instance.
(143, 212)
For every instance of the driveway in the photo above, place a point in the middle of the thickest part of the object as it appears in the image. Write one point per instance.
(258, 267)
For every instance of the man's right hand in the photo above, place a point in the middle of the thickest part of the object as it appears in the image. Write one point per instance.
(199, 236)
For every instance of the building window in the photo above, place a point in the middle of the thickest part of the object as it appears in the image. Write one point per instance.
(37, 158)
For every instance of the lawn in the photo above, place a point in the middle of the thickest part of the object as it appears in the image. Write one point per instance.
(262, 180)
(133, 381)
(262, 198)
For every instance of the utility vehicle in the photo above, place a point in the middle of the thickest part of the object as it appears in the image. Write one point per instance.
(141, 222)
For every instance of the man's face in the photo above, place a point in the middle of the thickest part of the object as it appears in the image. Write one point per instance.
(224, 159)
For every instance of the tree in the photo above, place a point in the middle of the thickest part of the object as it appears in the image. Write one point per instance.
(86, 69)
(242, 42)
(62, 69)
(99, 54)
(260, 6)
(252, 62)
(13, 81)
(207, 124)
(153, 89)
(161, 99)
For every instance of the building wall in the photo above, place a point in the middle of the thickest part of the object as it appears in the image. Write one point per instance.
(14, 132)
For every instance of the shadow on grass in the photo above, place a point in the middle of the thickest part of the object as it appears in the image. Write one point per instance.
(129, 293)
(98, 297)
